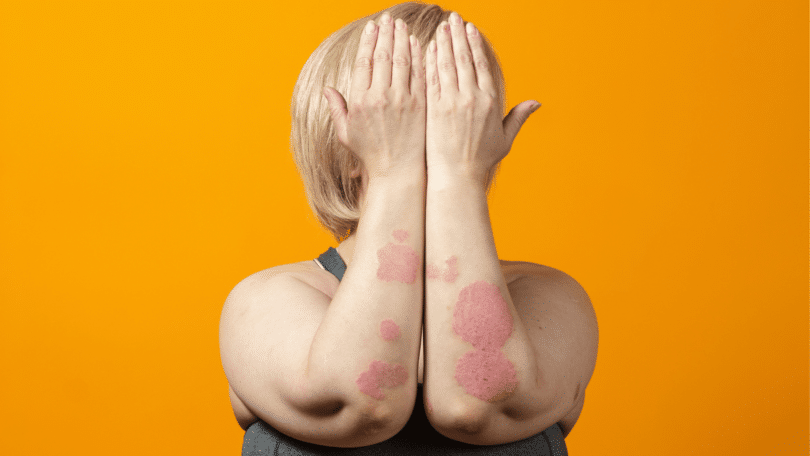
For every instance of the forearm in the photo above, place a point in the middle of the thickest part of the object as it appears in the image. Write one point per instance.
(479, 360)
(356, 351)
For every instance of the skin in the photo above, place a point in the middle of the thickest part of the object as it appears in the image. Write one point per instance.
(398, 263)
(389, 330)
(458, 146)
(447, 274)
(381, 375)
(464, 137)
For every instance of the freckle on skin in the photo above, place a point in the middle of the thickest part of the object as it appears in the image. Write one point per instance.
(397, 263)
(401, 235)
(389, 330)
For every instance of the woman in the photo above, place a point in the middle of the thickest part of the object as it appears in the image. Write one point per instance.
(400, 151)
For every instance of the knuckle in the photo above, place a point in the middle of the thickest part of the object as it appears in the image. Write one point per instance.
(381, 56)
(363, 62)
(379, 102)
(447, 65)
(466, 102)
(481, 63)
(401, 61)
(464, 58)
(487, 101)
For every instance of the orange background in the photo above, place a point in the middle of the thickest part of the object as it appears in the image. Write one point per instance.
(145, 170)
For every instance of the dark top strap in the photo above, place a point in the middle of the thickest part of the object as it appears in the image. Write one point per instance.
(333, 263)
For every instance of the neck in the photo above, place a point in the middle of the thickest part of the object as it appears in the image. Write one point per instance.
(346, 249)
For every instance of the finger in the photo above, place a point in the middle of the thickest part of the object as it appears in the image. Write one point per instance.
(482, 73)
(461, 52)
(337, 110)
(361, 80)
(433, 88)
(382, 53)
(517, 117)
(401, 71)
(444, 59)
(417, 69)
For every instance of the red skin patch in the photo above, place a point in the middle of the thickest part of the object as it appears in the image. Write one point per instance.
(430, 406)
(451, 272)
(381, 375)
(448, 275)
(486, 374)
(389, 330)
(401, 235)
(433, 272)
(397, 263)
(482, 318)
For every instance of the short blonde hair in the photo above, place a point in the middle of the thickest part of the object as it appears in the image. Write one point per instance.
(324, 163)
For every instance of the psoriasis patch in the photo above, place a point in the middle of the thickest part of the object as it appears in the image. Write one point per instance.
(486, 374)
(447, 274)
(397, 263)
(381, 375)
(401, 235)
(482, 318)
(389, 330)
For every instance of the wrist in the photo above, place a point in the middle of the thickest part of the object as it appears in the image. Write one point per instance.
(445, 177)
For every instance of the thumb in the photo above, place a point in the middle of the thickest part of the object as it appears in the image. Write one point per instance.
(517, 117)
(337, 110)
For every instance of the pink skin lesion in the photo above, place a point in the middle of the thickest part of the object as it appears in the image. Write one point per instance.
(389, 330)
(381, 375)
(401, 235)
(482, 318)
(448, 275)
(487, 375)
(397, 263)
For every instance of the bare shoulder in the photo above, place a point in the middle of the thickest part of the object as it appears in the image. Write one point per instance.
(561, 323)
(252, 323)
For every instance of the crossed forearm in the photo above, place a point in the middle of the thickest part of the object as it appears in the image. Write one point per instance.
(478, 358)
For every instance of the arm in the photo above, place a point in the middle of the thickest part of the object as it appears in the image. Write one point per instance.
(342, 372)
(481, 371)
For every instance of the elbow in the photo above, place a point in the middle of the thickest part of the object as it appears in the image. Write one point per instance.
(461, 420)
(374, 421)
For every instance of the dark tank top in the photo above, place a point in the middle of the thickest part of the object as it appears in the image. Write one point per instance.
(417, 437)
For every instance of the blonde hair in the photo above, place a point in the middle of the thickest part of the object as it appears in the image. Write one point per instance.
(324, 163)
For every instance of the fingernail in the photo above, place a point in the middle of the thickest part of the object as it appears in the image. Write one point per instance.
(370, 27)
(386, 18)
(471, 30)
(455, 18)
(537, 106)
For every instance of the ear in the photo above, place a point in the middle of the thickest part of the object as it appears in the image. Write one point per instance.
(356, 170)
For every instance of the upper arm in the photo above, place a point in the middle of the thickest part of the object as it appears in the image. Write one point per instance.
(568, 422)
(561, 324)
(267, 326)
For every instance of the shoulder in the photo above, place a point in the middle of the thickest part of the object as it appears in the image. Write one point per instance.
(561, 323)
(252, 321)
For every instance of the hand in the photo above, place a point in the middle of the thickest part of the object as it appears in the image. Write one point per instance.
(384, 125)
(465, 133)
